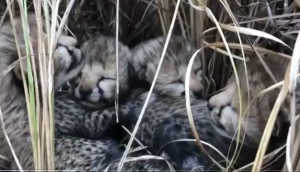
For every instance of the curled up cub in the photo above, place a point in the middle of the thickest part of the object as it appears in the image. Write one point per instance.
(226, 103)
(165, 119)
(89, 134)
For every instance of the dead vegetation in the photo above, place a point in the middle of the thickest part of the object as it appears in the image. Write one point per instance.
(209, 23)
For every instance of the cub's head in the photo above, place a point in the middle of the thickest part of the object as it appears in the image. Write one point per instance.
(171, 77)
(256, 108)
(96, 84)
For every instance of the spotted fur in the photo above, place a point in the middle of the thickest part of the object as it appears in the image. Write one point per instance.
(75, 153)
(161, 124)
(12, 98)
(166, 120)
(85, 138)
(226, 103)
(171, 77)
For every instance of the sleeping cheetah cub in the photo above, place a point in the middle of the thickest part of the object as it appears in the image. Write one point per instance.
(226, 103)
(95, 87)
(68, 62)
(171, 77)
(88, 135)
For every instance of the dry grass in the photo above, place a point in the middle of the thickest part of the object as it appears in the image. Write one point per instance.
(224, 30)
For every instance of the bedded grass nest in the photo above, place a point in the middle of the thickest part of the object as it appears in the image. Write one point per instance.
(145, 19)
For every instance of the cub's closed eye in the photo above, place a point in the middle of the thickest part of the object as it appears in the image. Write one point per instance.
(179, 81)
(103, 78)
(61, 45)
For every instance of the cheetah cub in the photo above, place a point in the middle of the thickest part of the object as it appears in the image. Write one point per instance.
(171, 77)
(95, 87)
(68, 62)
(86, 138)
(226, 103)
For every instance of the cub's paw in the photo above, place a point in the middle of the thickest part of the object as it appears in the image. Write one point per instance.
(68, 60)
(219, 101)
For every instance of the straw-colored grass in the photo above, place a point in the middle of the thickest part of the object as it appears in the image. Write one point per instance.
(223, 31)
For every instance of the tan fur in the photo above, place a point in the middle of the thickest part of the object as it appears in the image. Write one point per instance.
(226, 103)
(171, 77)
(97, 83)
(12, 99)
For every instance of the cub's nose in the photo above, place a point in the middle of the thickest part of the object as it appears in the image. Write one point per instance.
(210, 107)
(84, 92)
